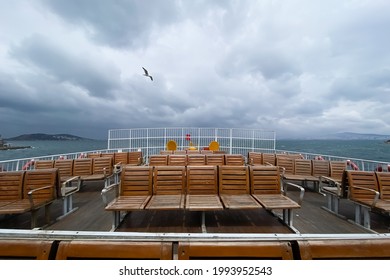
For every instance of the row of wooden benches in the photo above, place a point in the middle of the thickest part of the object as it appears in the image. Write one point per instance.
(28, 191)
(368, 190)
(300, 249)
(130, 157)
(299, 169)
(196, 159)
(200, 188)
(88, 169)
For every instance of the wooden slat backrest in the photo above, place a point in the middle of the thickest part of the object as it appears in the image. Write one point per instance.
(384, 184)
(136, 180)
(265, 179)
(104, 249)
(44, 164)
(25, 249)
(94, 155)
(232, 159)
(303, 167)
(166, 152)
(121, 157)
(180, 152)
(345, 249)
(196, 159)
(233, 179)
(177, 160)
(286, 162)
(268, 158)
(82, 167)
(64, 166)
(135, 158)
(321, 168)
(255, 158)
(215, 159)
(34, 179)
(235, 250)
(11, 183)
(202, 180)
(365, 179)
(102, 165)
(337, 169)
(169, 180)
(158, 160)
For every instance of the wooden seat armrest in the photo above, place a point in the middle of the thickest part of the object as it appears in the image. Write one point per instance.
(106, 190)
(301, 194)
(375, 200)
(332, 181)
(118, 167)
(68, 183)
(32, 192)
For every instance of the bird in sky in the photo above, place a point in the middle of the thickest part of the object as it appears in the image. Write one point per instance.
(147, 74)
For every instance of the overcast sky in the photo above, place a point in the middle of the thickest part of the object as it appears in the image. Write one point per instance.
(297, 67)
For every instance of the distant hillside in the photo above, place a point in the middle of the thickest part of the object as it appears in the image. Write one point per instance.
(42, 136)
(355, 136)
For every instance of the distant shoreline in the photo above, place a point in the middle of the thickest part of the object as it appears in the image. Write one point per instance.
(44, 137)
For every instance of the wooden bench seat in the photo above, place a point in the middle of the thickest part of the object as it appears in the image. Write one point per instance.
(268, 159)
(215, 159)
(132, 193)
(43, 164)
(113, 250)
(202, 190)
(39, 188)
(177, 160)
(17, 249)
(267, 189)
(196, 159)
(94, 169)
(334, 185)
(255, 158)
(344, 249)
(235, 250)
(168, 188)
(234, 159)
(158, 160)
(234, 188)
(365, 192)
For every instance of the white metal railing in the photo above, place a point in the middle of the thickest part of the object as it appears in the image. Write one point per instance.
(153, 140)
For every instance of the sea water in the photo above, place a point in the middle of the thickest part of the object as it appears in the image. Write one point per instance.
(376, 150)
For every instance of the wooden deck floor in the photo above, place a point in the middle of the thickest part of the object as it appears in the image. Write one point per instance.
(91, 216)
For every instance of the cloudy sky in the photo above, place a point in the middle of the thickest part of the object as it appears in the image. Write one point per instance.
(297, 67)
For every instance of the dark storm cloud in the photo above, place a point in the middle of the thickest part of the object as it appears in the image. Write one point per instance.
(119, 23)
(54, 61)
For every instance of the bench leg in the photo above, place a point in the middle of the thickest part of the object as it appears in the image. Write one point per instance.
(366, 217)
(288, 216)
(67, 206)
(204, 230)
(358, 219)
(34, 218)
(116, 217)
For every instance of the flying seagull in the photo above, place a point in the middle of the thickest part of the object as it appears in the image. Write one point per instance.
(147, 74)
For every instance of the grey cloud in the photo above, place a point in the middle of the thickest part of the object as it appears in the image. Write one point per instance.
(117, 23)
(51, 58)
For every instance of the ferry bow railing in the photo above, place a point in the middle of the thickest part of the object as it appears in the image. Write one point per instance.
(152, 140)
